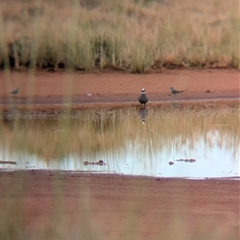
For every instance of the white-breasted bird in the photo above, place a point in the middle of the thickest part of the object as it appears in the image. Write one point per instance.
(174, 91)
(15, 91)
(143, 99)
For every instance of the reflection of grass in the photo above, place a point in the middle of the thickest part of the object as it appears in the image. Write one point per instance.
(133, 35)
(110, 130)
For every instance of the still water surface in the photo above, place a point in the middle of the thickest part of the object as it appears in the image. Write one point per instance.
(149, 142)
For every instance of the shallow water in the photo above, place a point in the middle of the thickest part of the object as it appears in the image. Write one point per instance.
(151, 142)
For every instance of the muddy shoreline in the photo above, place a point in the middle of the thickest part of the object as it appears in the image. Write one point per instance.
(57, 88)
(58, 111)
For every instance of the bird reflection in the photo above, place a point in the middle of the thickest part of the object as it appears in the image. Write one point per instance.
(143, 113)
(10, 115)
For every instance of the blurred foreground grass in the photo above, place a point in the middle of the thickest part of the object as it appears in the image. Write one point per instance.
(137, 36)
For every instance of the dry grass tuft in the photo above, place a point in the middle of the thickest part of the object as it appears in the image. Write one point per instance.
(137, 36)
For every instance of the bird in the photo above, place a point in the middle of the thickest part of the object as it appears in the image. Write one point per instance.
(174, 91)
(143, 99)
(15, 91)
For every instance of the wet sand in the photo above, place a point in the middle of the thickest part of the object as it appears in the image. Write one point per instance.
(112, 206)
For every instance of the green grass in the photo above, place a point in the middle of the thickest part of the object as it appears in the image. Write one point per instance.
(135, 36)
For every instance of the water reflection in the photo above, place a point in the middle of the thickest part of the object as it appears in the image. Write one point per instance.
(163, 146)
(143, 113)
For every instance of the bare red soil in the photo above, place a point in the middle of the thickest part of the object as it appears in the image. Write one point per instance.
(54, 88)
(119, 207)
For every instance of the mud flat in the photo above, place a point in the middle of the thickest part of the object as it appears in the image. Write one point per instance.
(46, 88)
